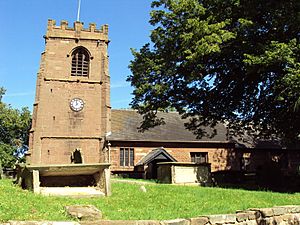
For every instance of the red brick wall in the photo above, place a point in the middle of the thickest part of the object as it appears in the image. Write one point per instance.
(286, 160)
(221, 158)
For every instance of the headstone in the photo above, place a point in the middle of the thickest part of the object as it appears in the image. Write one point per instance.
(143, 189)
(84, 212)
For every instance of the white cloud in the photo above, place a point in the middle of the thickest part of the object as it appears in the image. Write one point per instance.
(119, 85)
(17, 94)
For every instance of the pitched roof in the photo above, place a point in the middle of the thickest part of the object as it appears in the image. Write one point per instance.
(158, 153)
(125, 123)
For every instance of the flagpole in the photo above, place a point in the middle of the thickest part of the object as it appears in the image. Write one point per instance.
(78, 11)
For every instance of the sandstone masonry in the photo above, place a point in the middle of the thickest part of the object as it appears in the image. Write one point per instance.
(72, 103)
(279, 215)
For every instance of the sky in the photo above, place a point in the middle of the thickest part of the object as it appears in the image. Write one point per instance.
(23, 24)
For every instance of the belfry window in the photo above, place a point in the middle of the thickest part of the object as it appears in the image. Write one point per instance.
(80, 62)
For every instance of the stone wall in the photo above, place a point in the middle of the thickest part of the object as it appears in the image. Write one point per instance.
(281, 215)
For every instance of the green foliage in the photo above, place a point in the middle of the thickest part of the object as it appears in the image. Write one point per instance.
(14, 129)
(214, 60)
(129, 203)
(7, 155)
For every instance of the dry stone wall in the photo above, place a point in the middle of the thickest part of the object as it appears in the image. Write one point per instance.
(281, 215)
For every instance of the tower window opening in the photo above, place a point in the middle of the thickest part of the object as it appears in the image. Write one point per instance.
(80, 62)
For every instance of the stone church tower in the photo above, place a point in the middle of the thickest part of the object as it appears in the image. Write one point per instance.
(71, 114)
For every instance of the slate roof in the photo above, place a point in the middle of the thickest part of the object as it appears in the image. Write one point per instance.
(125, 123)
(156, 153)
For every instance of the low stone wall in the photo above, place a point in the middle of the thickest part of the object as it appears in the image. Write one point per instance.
(281, 215)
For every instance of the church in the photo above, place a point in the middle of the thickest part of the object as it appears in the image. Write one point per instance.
(75, 132)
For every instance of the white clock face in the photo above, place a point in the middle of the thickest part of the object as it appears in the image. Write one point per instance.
(76, 104)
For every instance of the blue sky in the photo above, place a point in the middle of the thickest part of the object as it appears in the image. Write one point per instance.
(23, 24)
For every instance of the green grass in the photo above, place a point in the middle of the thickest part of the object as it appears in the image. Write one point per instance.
(128, 202)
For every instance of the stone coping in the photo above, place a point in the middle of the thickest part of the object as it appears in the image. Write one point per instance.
(44, 166)
(281, 215)
(66, 169)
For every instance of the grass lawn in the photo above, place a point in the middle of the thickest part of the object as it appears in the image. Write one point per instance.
(128, 202)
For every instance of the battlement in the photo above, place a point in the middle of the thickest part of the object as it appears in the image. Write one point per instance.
(77, 31)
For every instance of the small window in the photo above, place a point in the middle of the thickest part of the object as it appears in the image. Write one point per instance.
(199, 157)
(80, 62)
(245, 161)
(126, 157)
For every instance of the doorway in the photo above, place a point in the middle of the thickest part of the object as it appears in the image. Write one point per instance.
(76, 156)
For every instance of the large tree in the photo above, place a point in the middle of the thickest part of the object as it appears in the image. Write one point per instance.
(14, 130)
(232, 61)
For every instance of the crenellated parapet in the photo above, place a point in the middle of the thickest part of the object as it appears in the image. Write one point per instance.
(78, 31)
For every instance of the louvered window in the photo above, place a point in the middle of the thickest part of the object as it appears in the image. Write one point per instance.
(80, 62)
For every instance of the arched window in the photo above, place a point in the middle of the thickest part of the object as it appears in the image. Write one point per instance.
(80, 62)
